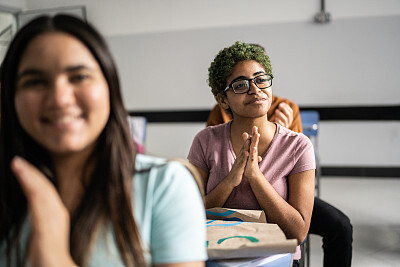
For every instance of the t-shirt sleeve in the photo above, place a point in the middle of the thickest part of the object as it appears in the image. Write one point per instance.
(178, 224)
(197, 152)
(304, 155)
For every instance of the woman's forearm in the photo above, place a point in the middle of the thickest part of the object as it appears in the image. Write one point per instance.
(218, 196)
(293, 222)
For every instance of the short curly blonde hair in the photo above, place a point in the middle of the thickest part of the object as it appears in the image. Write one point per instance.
(222, 66)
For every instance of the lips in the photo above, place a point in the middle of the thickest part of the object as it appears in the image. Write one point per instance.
(62, 120)
(258, 100)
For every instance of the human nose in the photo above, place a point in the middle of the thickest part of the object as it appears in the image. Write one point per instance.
(61, 93)
(253, 88)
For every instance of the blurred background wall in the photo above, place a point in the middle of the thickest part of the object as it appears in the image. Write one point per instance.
(163, 50)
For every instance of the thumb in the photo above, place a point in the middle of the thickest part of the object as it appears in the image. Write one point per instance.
(38, 190)
(29, 177)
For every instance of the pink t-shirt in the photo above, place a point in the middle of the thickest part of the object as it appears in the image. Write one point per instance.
(288, 153)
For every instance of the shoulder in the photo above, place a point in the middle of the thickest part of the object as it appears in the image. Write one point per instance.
(161, 178)
(149, 167)
(168, 208)
(285, 132)
(286, 135)
(211, 134)
(297, 147)
(208, 144)
(210, 137)
(213, 130)
(144, 162)
(161, 183)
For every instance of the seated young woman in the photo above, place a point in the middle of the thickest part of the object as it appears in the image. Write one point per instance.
(73, 191)
(327, 221)
(249, 162)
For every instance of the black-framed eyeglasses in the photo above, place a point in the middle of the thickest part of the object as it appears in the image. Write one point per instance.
(242, 86)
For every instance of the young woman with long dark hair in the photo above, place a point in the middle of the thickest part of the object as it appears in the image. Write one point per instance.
(73, 191)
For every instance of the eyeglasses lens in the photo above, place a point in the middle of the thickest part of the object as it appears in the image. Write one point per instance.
(242, 86)
(263, 81)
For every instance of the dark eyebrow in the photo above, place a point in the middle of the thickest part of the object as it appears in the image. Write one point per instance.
(258, 72)
(243, 77)
(28, 72)
(33, 71)
(77, 67)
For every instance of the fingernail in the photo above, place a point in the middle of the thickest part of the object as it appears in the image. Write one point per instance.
(17, 160)
(17, 164)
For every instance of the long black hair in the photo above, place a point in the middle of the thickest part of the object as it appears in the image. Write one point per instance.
(108, 195)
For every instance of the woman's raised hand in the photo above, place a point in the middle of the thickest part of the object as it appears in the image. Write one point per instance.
(50, 219)
(236, 173)
(252, 169)
(247, 160)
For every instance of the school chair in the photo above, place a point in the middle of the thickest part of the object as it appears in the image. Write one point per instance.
(310, 125)
(137, 127)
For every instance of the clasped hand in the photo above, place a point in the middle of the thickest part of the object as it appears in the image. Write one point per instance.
(247, 160)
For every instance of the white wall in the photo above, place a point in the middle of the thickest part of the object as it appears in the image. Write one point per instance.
(345, 62)
(137, 16)
(357, 143)
(13, 4)
(354, 60)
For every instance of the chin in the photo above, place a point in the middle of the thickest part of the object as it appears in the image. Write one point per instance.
(69, 149)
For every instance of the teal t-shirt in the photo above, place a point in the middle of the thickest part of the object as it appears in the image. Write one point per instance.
(168, 211)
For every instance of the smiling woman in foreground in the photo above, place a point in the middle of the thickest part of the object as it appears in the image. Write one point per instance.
(73, 191)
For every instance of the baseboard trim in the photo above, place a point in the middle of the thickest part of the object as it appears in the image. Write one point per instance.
(173, 116)
(358, 113)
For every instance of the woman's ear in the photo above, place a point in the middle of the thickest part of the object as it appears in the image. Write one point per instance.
(223, 101)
